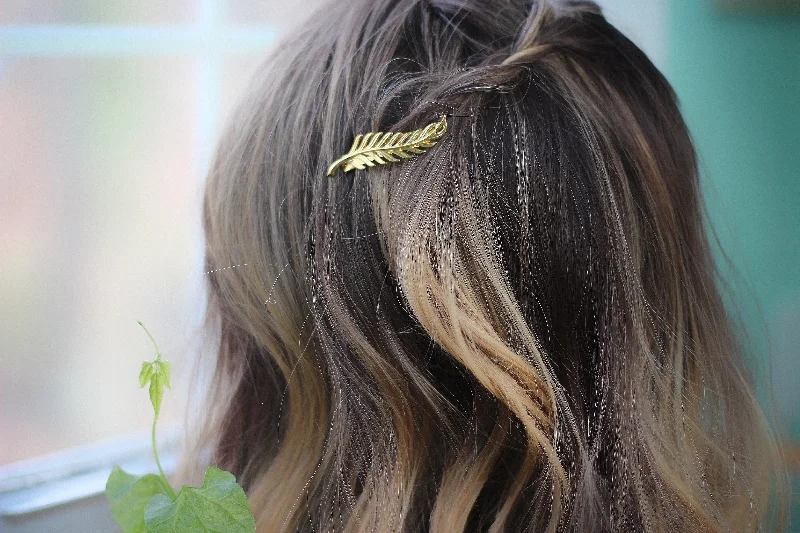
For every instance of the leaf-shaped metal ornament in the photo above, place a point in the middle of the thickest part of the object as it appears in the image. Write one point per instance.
(381, 148)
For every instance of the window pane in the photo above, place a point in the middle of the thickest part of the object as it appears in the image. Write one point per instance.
(98, 229)
(277, 12)
(96, 12)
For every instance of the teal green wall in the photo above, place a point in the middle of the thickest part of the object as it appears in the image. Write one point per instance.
(738, 79)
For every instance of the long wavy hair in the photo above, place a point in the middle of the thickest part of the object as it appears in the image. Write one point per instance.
(519, 330)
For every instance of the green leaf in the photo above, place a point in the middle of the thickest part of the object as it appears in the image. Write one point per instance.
(146, 373)
(219, 505)
(156, 392)
(164, 368)
(128, 496)
(157, 374)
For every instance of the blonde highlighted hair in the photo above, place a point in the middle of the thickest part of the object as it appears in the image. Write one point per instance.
(519, 330)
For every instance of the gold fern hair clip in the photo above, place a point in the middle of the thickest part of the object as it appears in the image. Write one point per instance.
(381, 148)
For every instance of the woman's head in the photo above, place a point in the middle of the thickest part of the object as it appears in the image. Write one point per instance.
(517, 330)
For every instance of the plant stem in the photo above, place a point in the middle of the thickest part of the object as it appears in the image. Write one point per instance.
(164, 479)
(158, 463)
(158, 352)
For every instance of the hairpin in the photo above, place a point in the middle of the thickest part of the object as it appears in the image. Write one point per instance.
(381, 148)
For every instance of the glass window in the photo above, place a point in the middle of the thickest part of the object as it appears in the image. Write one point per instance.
(94, 12)
(108, 115)
(277, 12)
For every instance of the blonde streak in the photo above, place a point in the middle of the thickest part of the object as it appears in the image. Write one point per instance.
(534, 367)
(532, 364)
(366, 509)
(530, 375)
(301, 450)
(539, 445)
(378, 509)
(463, 481)
(519, 365)
(451, 314)
(474, 232)
(386, 499)
(305, 404)
(464, 304)
(524, 396)
(517, 376)
(453, 333)
(478, 346)
(506, 389)
(481, 337)
(382, 510)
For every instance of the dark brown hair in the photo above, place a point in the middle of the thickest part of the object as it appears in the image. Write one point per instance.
(519, 330)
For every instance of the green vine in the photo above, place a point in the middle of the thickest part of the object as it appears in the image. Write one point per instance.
(149, 504)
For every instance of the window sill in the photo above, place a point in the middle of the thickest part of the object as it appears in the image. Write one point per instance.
(65, 491)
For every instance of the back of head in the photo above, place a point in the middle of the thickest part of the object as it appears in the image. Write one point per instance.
(518, 330)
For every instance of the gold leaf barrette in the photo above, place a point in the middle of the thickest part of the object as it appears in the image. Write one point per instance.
(381, 148)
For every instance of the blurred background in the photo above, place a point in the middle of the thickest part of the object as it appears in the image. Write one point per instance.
(109, 113)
